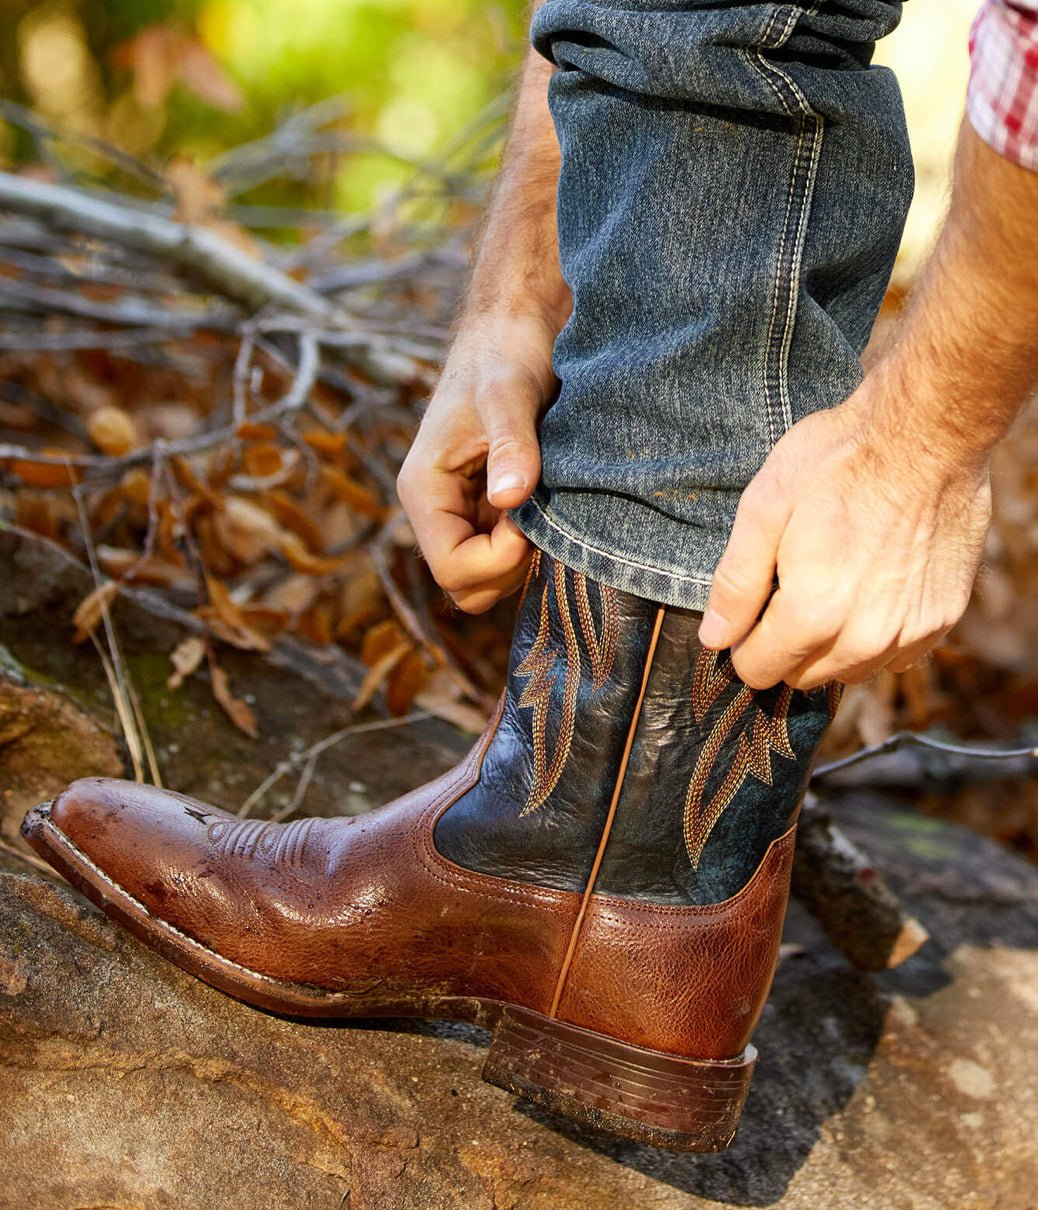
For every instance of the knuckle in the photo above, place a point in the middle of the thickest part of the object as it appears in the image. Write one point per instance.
(808, 682)
(822, 616)
(851, 676)
(474, 602)
(731, 579)
(757, 502)
(405, 478)
(751, 676)
(862, 643)
(510, 445)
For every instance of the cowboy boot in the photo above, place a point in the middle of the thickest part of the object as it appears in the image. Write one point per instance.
(601, 882)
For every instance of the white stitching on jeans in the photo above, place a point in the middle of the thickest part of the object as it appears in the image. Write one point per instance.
(764, 69)
(612, 555)
(794, 294)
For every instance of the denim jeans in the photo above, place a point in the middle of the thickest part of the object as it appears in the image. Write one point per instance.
(735, 178)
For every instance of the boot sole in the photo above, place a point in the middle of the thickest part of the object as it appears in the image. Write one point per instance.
(648, 1096)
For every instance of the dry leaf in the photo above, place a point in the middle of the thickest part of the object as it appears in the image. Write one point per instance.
(92, 609)
(316, 624)
(112, 430)
(161, 54)
(406, 681)
(185, 658)
(123, 564)
(378, 674)
(135, 486)
(203, 75)
(198, 195)
(325, 443)
(37, 513)
(300, 559)
(227, 621)
(251, 430)
(247, 531)
(292, 517)
(442, 698)
(349, 491)
(293, 594)
(188, 480)
(43, 474)
(386, 636)
(239, 712)
(261, 460)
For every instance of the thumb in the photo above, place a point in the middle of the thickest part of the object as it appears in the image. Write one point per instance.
(745, 575)
(514, 454)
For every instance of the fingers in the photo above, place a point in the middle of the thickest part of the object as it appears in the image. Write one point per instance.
(476, 568)
(509, 411)
(475, 455)
(745, 575)
(786, 637)
(839, 645)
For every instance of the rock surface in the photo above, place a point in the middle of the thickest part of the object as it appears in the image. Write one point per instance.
(127, 1085)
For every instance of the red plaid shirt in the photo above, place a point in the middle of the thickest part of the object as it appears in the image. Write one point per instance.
(1002, 102)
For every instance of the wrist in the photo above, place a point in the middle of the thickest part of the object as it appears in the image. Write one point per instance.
(519, 336)
(907, 420)
(501, 293)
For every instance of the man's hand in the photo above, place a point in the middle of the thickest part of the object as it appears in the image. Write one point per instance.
(476, 454)
(875, 549)
(872, 515)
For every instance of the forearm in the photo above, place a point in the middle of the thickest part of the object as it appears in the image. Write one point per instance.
(965, 357)
(516, 268)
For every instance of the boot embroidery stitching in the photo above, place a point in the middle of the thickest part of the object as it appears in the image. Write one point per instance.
(601, 648)
(539, 666)
(766, 733)
(541, 663)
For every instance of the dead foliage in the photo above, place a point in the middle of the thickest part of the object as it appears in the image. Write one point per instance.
(203, 409)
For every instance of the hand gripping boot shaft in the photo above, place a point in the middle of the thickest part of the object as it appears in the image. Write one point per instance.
(601, 881)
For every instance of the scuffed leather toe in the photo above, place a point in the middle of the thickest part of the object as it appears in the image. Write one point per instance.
(133, 832)
(151, 843)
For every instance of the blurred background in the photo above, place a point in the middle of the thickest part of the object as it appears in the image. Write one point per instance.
(191, 78)
(347, 144)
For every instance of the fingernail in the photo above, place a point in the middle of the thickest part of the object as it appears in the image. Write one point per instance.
(510, 481)
(713, 630)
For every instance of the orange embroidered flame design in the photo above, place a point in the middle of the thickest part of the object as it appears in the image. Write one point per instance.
(540, 668)
(766, 734)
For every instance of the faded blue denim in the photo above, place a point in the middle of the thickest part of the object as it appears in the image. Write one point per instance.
(734, 184)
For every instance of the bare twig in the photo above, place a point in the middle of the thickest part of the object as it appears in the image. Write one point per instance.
(23, 296)
(904, 739)
(303, 758)
(127, 703)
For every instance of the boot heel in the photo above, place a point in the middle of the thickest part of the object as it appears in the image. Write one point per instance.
(655, 1098)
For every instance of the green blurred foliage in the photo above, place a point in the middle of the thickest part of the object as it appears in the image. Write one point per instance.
(169, 78)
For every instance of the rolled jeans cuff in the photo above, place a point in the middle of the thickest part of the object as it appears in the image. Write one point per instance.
(602, 535)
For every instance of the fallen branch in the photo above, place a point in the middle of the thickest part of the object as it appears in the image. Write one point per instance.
(222, 266)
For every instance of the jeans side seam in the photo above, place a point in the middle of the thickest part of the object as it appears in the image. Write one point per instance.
(801, 185)
(614, 556)
(817, 126)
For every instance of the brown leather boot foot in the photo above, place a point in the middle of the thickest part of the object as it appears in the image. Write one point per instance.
(601, 882)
